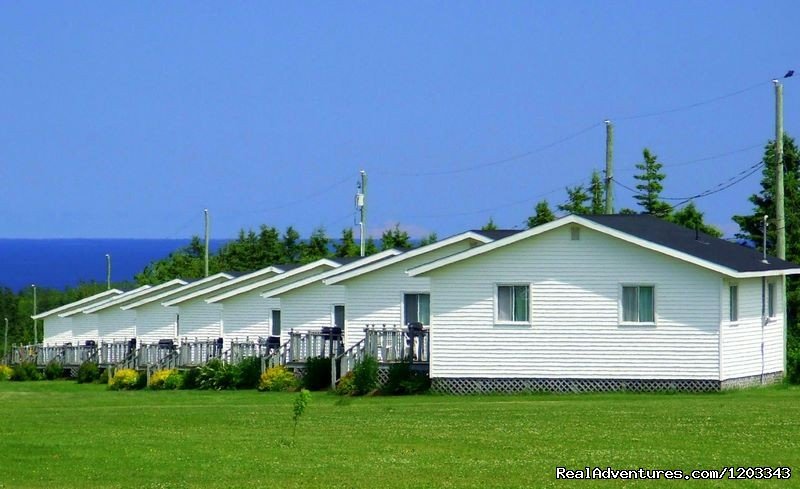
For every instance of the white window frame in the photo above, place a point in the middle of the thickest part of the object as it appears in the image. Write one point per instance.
(772, 302)
(403, 306)
(621, 309)
(733, 318)
(272, 324)
(496, 298)
(333, 316)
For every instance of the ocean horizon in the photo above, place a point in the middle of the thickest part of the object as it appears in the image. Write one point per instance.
(66, 262)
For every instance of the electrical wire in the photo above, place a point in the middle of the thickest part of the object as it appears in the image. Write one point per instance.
(496, 162)
(697, 160)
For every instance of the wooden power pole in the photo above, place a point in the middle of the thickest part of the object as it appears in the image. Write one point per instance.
(609, 167)
(779, 199)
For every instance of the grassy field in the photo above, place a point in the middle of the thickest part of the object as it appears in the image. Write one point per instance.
(64, 435)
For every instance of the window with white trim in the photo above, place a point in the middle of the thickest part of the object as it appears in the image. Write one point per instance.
(638, 304)
(417, 308)
(276, 322)
(771, 299)
(733, 303)
(513, 303)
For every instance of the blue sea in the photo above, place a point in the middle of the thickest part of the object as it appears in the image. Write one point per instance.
(59, 263)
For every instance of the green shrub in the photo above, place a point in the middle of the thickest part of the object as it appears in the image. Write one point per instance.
(249, 373)
(103, 377)
(346, 385)
(53, 371)
(190, 379)
(88, 372)
(124, 379)
(5, 372)
(278, 379)
(404, 380)
(218, 375)
(166, 380)
(318, 374)
(793, 361)
(365, 375)
(25, 371)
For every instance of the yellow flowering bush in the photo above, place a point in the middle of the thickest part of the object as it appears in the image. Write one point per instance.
(278, 379)
(124, 379)
(5, 372)
(169, 379)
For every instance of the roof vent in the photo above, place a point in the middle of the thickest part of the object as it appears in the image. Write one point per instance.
(575, 233)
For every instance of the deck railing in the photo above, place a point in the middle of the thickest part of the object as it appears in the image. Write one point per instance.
(393, 344)
(348, 360)
(312, 344)
(114, 352)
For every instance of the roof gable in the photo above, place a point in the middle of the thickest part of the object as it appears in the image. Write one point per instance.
(124, 299)
(80, 304)
(135, 292)
(651, 233)
(219, 288)
(293, 274)
(469, 235)
(180, 291)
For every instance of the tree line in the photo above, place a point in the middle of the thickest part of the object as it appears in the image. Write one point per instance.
(253, 250)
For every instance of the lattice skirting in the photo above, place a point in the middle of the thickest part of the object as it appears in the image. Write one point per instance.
(488, 385)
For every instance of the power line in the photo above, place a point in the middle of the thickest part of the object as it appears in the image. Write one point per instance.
(496, 162)
(692, 106)
(742, 175)
(700, 160)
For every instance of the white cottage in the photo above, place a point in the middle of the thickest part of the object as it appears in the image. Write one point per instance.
(57, 328)
(308, 304)
(200, 320)
(114, 322)
(86, 327)
(606, 302)
(154, 321)
(381, 293)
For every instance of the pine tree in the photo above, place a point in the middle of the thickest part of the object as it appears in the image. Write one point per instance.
(316, 248)
(542, 215)
(370, 248)
(429, 239)
(291, 246)
(347, 246)
(395, 238)
(489, 226)
(692, 218)
(576, 201)
(651, 187)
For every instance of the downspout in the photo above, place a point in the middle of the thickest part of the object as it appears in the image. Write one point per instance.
(763, 322)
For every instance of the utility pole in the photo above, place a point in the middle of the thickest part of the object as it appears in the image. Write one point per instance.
(108, 271)
(205, 211)
(779, 211)
(609, 167)
(363, 208)
(35, 329)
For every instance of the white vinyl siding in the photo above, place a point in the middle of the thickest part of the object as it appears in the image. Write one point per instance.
(575, 329)
(199, 320)
(309, 308)
(114, 324)
(155, 322)
(57, 330)
(741, 339)
(376, 298)
(247, 317)
(84, 327)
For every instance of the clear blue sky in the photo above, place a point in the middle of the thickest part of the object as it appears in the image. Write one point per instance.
(126, 120)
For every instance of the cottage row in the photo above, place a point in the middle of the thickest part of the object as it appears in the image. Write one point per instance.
(581, 303)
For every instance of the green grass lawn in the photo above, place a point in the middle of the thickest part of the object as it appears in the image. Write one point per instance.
(64, 435)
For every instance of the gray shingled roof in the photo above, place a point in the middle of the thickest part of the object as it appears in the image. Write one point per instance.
(700, 245)
(496, 234)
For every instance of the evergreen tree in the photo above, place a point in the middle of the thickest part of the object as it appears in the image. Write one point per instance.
(347, 246)
(598, 194)
(187, 263)
(489, 226)
(542, 215)
(692, 218)
(429, 239)
(395, 238)
(576, 201)
(316, 248)
(370, 248)
(651, 187)
(291, 246)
